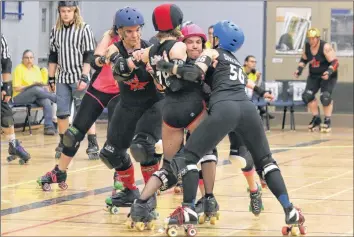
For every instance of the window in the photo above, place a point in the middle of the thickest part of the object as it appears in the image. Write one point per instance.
(44, 20)
(292, 24)
(342, 30)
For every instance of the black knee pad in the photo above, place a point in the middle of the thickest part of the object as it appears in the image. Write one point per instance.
(166, 176)
(7, 121)
(113, 157)
(248, 157)
(182, 164)
(308, 96)
(210, 157)
(326, 98)
(71, 141)
(142, 148)
(63, 116)
(200, 174)
(266, 166)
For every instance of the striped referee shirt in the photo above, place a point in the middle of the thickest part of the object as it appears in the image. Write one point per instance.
(4, 48)
(70, 44)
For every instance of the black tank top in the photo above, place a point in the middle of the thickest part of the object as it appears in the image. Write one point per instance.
(227, 80)
(140, 88)
(166, 79)
(318, 63)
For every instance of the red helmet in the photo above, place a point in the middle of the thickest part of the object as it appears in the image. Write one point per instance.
(167, 17)
(193, 30)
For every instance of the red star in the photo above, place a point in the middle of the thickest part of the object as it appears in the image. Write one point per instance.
(135, 84)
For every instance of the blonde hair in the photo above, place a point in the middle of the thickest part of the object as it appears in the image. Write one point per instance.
(176, 32)
(78, 20)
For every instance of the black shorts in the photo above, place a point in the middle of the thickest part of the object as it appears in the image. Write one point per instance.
(314, 83)
(180, 113)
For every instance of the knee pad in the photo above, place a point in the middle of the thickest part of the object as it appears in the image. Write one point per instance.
(71, 141)
(326, 98)
(181, 165)
(114, 158)
(209, 157)
(308, 96)
(63, 116)
(266, 166)
(7, 121)
(166, 176)
(142, 148)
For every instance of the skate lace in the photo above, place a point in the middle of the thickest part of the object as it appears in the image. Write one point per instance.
(179, 214)
(255, 202)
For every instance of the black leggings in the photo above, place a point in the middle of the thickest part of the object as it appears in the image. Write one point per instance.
(225, 117)
(91, 108)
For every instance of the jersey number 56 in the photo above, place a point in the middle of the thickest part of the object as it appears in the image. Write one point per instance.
(234, 74)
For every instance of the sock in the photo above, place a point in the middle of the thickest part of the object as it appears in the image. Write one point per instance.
(327, 118)
(190, 186)
(207, 195)
(127, 177)
(147, 171)
(141, 201)
(276, 184)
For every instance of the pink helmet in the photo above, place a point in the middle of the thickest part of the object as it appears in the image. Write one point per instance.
(193, 30)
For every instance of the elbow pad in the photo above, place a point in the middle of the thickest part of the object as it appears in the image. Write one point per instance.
(88, 57)
(335, 64)
(53, 57)
(304, 61)
(6, 65)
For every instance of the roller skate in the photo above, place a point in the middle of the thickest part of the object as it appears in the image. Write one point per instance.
(315, 123)
(256, 204)
(178, 188)
(92, 149)
(326, 126)
(199, 206)
(211, 214)
(184, 217)
(142, 215)
(117, 183)
(124, 198)
(59, 150)
(17, 151)
(295, 222)
(54, 176)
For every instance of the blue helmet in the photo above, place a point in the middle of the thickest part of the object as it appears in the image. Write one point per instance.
(128, 17)
(230, 36)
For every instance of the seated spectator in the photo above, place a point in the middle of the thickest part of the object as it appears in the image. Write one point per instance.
(29, 87)
(249, 67)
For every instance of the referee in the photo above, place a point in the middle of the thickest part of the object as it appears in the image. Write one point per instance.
(71, 52)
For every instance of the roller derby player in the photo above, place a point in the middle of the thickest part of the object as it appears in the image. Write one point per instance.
(102, 92)
(228, 97)
(72, 57)
(323, 74)
(136, 121)
(7, 121)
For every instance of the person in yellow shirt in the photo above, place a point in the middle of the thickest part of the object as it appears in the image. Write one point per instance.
(249, 67)
(209, 43)
(29, 87)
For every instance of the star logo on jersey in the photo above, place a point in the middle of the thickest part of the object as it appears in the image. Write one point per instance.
(314, 63)
(135, 84)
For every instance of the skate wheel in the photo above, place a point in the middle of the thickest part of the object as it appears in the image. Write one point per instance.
(303, 230)
(295, 231)
(177, 190)
(201, 219)
(129, 225)
(114, 210)
(172, 232)
(63, 186)
(285, 230)
(93, 156)
(140, 226)
(213, 220)
(46, 187)
(155, 214)
(150, 225)
(11, 158)
(191, 231)
(21, 162)
(217, 216)
(107, 208)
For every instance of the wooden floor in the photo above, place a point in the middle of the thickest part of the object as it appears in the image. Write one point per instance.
(317, 168)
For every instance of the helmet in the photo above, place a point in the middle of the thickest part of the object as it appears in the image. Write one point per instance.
(67, 4)
(167, 17)
(313, 32)
(193, 30)
(186, 23)
(230, 36)
(128, 17)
